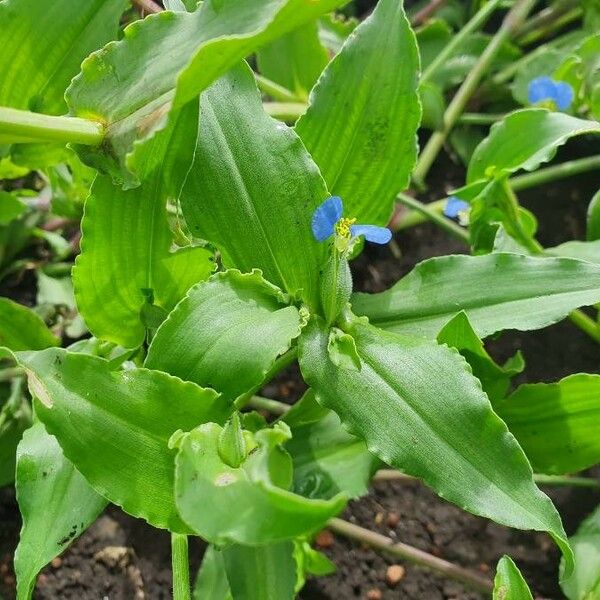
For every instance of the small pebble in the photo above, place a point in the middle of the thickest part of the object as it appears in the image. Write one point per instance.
(484, 568)
(379, 518)
(393, 519)
(374, 594)
(394, 574)
(56, 562)
(324, 539)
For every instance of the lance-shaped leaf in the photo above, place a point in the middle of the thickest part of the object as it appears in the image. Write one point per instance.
(495, 380)
(295, 60)
(524, 140)
(496, 292)
(419, 408)
(589, 251)
(556, 423)
(126, 263)
(248, 504)
(509, 583)
(364, 112)
(166, 60)
(247, 572)
(593, 218)
(327, 459)
(584, 584)
(57, 505)
(114, 426)
(43, 46)
(22, 329)
(226, 333)
(253, 188)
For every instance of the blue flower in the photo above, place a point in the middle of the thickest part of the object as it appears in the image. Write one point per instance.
(456, 208)
(544, 90)
(328, 220)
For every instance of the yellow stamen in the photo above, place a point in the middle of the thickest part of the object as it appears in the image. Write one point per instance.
(342, 227)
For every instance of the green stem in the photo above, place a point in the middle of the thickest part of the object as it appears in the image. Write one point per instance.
(431, 215)
(548, 20)
(480, 118)
(511, 22)
(273, 406)
(276, 91)
(586, 324)
(285, 111)
(23, 125)
(181, 567)
(556, 172)
(11, 373)
(521, 182)
(480, 17)
(404, 551)
(558, 480)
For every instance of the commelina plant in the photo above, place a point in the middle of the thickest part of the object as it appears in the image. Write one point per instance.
(215, 253)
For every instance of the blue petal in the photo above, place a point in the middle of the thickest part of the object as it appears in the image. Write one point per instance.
(540, 89)
(563, 95)
(372, 233)
(454, 206)
(325, 217)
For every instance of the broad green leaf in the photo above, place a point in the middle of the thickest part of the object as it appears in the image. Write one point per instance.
(43, 45)
(556, 423)
(10, 207)
(589, 251)
(432, 38)
(211, 582)
(233, 323)
(261, 572)
(363, 115)
(509, 583)
(584, 584)
(420, 410)
(496, 291)
(166, 60)
(57, 505)
(495, 380)
(253, 188)
(524, 140)
(115, 426)
(327, 459)
(593, 218)
(247, 505)
(126, 262)
(22, 329)
(295, 60)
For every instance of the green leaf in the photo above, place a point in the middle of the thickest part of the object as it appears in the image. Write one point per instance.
(253, 188)
(295, 60)
(524, 140)
(496, 291)
(509, 583)
(588, 251)
(232, 323)
(556, 423)
(334, 29)
(44, 44)
(125, 261)
(327, 459)
(57, 505)
(211, 582)
(584, 584)
(10, 207)
(495, 380)
(262, 572)
(538, 65)
(22, 329)
(115, 425)
(420, 410)
(166, 60)
(364, 112)
(210, 494)
(593, 218)
(15, 418)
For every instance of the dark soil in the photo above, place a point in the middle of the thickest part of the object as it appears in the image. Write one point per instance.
(122, 558)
